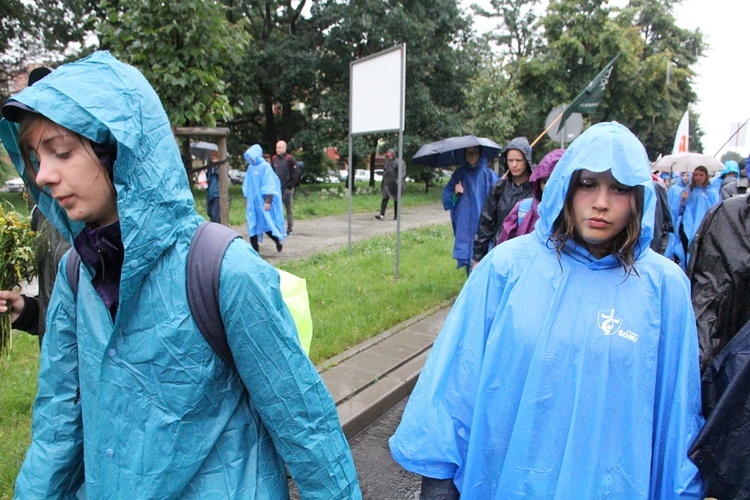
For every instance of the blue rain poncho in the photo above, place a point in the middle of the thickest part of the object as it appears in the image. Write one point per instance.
(465, 209)
(699, 202)
(563, 377)
(145, 402)
(260, 181)
(674, 195)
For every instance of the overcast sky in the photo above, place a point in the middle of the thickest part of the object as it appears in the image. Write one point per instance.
(723, 75)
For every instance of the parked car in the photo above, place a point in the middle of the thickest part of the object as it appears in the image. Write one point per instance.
(14, 185)
(378, 174)
(236, 176)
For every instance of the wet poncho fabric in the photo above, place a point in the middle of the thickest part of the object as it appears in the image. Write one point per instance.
(699, 202)
(145, 402)
(563, 378)
(465, 209)
(260, 181)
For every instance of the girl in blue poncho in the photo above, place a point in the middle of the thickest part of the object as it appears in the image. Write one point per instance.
(568, 366)
(127, 383)
(695, 201)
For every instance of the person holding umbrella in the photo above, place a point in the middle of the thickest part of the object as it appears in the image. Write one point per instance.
(464, 195)
(695, 201)
(510, 189)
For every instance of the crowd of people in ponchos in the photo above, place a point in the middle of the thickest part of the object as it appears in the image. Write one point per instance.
(570, 366)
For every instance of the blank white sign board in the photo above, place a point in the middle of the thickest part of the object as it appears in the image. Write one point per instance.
(377, 92)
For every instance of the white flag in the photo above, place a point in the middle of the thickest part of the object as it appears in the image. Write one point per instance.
(683, 135)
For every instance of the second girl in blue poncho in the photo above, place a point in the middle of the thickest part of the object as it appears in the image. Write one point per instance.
(568, 366)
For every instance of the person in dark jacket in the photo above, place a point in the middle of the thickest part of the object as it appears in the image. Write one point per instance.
(285, 166)
(719, 272)
(393, 169)
(212, 191)
(662, 216)
(510, 189)
(33, 318)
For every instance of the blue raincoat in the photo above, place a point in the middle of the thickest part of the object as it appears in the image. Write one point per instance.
(465, 209)
(699, 202)
(562, 377)
(260, 181)
(674, 195)
(144, 401)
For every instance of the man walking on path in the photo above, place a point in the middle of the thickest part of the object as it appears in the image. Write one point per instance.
(285, 166)
(394, 168)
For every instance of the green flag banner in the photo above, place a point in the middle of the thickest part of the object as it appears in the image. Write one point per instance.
(588, 100)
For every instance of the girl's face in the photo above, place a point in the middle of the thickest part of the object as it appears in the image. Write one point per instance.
(516, 162)
(602, 208)
(699, 178)
(75, 177)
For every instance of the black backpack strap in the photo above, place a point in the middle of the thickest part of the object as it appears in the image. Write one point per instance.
(205, 256)
(73, 269)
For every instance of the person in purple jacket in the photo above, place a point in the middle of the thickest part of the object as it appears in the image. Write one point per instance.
(523, 215)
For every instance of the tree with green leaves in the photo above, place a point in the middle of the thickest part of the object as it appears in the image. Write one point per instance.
(183, 48)
(437, 69)
(42, 32)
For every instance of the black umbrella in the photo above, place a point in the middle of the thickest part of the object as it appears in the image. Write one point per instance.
(450, 151)
(202, 149)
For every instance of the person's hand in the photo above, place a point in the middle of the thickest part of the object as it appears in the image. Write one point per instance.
(685, 195)
(266, 206)
(459, 188)
(12, 301)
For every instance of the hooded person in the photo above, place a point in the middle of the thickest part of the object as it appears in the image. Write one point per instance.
(523, 216)
(464, 195)
(127, 383)
(695, 201)
(729, 177)
(264, 209)
(674, 195)
(568, 365)
(511, 188)
(719, 273)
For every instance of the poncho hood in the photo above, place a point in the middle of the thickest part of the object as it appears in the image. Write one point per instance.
(602, 147)
(254, 155)
(522, 145)
(730, 167)
(109, 102)
(544, 170)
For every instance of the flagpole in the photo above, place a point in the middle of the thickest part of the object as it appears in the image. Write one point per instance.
(732, 136)
(548, 128)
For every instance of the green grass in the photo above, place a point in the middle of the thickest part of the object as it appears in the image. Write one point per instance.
(18, 372)
(352, 298)
(321, 200)
(16, 202)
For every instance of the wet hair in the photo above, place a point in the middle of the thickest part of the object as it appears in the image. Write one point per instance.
(105, 154)
(622, 246)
